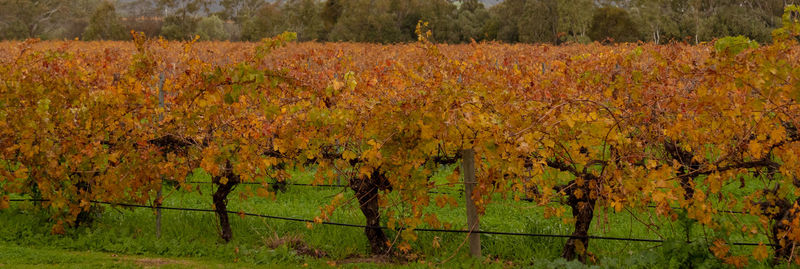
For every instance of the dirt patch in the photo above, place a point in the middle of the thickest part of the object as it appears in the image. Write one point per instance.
(297, 244)
(376, 259)
(395, 259)
(153, 262)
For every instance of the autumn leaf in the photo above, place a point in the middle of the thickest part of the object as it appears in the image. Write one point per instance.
(720, 249)
(58, 228)
(348, 155)
(760, 252)
(337, 85)
(4, 202)
(21, 173)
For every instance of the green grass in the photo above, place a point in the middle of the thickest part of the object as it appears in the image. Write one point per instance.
(13, 256)
(192, 237)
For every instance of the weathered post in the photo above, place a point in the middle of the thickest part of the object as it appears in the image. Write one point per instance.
(473, 223)
(161, 186)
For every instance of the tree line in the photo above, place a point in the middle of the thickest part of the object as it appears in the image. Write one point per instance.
(393, 21)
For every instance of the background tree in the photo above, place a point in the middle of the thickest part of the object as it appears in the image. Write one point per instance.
(574, 19)
(236, 9)
(242, 13)
(142, 16)
(73, 21)
(471, 18)
(441, 14)
(303, 17)
(540, 23)
(266, 21)
(657, 19)
(20, 19)
(367, 21)
(212, 28)
(700, 12)
(734, 20)
(389, 21)
(180, 17)
(504, 22)
(406, 14)
(614, 23)
(105, 24)
(330, 14)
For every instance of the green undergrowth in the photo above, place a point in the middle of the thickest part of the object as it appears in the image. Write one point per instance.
(269, 242)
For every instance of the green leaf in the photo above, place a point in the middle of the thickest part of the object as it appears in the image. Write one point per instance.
(228, 99)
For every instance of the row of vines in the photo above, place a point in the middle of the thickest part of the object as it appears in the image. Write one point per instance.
(626, 127)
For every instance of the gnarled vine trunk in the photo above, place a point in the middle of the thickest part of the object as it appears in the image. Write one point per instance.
(366, 191)
(220, 198)
(86, 216)
(783, 244)
(583, 211)
(686, 159)
(782, 213)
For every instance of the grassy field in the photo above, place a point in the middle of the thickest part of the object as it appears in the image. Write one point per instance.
(126, 237)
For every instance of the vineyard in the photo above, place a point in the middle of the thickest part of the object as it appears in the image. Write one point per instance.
(704, 134)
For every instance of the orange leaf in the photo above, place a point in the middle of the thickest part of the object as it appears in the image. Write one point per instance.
(760, 252)
(4, 202)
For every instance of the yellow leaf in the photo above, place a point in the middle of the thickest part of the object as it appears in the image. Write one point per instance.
(58, 228)
(365, 171)
(651, 164)
(549, 143)
(617, 206)
(760, 252)
(578, 194)
(373, 143)
(4, 202)
(113, 157)
(441, 201)
(223, 180)
(570, 122)
(21, 173)
(720, 248)
(404, 247)
(348, 155)
(755, 149)
(337, 85)
(262, 192)
(432, 220)
(436, 242)
(425, 131)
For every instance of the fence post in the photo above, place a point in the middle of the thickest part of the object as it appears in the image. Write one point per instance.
(473, 223)
(161, 186)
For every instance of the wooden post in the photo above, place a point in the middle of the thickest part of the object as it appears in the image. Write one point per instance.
(473, 223)
(161, 186)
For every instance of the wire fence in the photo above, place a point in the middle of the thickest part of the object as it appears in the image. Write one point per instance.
(387, 228)
(459, 192)
(320, 185)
